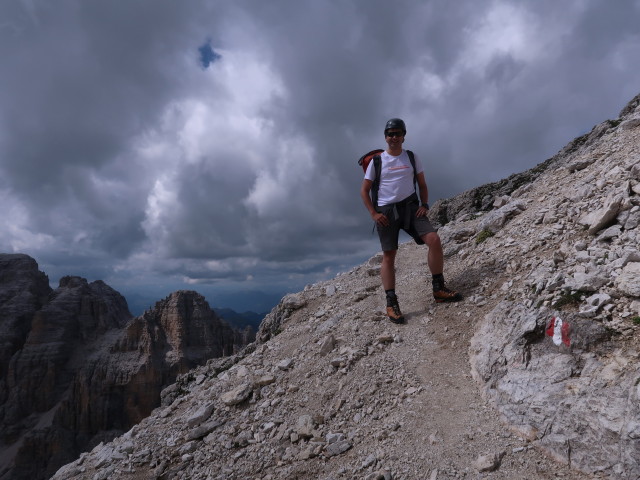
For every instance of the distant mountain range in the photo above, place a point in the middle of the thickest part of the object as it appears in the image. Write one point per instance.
(240, 320)
(249, 301)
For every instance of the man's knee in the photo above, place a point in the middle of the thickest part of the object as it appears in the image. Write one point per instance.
(389, 256)
(432, 240)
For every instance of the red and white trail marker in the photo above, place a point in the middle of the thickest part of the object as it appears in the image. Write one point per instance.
(559, 331)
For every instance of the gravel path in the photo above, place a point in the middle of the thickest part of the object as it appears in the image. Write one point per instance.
(451, 426)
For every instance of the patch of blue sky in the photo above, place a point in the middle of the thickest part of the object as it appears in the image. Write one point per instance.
(208, 55)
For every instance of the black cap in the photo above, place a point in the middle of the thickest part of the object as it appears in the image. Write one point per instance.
(395, 123)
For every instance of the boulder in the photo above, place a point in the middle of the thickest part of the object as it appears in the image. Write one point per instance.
(496, 219)
(628, 282)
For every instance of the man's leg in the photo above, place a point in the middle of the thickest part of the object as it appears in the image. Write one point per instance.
(388, 270)
(435, 260)
(388, 274)
(435, 257)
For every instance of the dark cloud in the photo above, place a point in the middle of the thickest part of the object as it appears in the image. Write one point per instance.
(133, 152)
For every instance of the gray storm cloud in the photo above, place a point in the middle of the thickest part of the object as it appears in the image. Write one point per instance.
(195, 143)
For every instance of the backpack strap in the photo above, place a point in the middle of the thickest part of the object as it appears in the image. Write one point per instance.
(377, 165)
(412, 159)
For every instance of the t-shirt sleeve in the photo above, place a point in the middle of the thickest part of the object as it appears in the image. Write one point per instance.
(419, 168)
(370, 174)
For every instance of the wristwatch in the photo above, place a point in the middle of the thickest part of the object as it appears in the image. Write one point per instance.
(425, 205)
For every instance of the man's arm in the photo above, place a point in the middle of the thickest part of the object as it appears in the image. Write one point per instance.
(365, 191)
(422, 185)
(424, 195)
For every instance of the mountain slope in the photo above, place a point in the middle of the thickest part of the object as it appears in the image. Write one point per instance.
(332, 390)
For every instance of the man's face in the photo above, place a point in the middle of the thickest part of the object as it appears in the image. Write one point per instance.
(394, 137)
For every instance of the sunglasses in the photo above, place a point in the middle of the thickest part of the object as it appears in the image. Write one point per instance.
(394, 134)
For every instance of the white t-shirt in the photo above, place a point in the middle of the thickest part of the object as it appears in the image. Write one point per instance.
(396, 177)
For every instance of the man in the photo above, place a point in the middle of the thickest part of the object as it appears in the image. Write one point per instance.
(398, 207)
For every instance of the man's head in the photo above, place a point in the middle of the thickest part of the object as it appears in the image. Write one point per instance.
(395, 125)
(394, 132)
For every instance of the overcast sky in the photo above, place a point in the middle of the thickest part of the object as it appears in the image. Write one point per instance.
(212, 145)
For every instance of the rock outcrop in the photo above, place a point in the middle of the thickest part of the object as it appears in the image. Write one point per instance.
(77, 369)
(23, 291)
(572, 255)
(549, 264)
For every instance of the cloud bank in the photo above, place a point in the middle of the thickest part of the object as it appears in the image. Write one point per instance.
(213, 145)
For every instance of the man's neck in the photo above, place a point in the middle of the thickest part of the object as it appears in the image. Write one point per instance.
(394, 151)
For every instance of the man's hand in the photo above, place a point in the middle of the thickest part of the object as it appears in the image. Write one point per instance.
(422, 211)
(380, 219)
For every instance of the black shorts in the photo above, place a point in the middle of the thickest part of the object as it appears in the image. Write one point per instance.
(402, 216)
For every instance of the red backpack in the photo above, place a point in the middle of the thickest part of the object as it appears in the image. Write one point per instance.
(374, 155)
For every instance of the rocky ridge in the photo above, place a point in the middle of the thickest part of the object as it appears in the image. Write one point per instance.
(77, 369)
(533, 376)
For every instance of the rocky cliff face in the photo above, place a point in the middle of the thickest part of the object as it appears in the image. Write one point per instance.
(23, 291)
(77, 369)
(547, 340)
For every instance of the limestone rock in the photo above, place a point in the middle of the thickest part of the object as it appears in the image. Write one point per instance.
(200, 415)
(629, 280)
(337, 448)
(285, 364)
(546, 372)
(629, 124)
(488, 463)
(328, 345)
(496, 219)
(603, 217)
(237, 395)
(295, 301)
(586, 282)
(305, 426)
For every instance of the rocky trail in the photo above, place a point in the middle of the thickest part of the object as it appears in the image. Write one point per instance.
(454, 432)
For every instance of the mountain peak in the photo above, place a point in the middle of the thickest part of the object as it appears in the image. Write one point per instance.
(76, 368)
